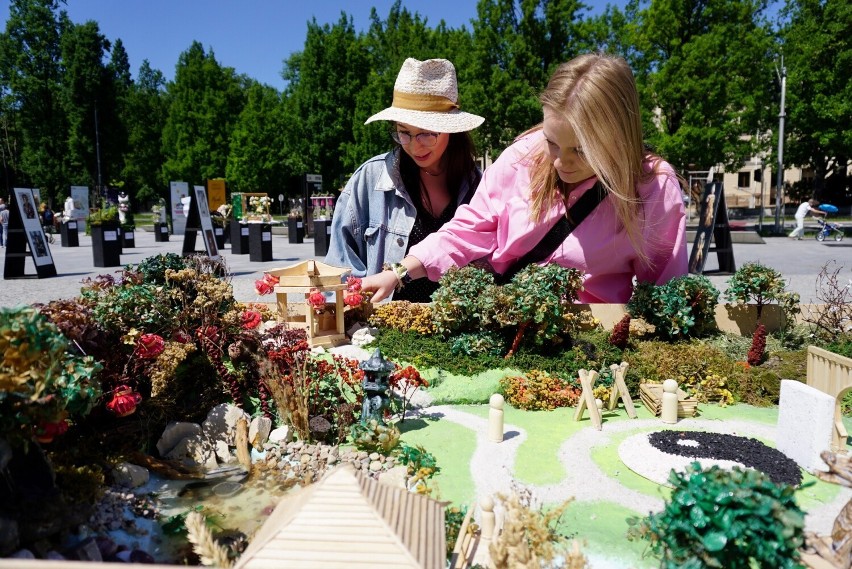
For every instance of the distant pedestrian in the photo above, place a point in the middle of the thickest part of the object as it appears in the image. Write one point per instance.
(4, 222)
(804, 208)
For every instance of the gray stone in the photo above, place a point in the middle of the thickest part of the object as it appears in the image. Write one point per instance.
(130, 475)
(259, 430)
(87, 550)
(192, 452)
(375, 466)
(396, 477)
(174, 433)
(221, 422)
(223, 451)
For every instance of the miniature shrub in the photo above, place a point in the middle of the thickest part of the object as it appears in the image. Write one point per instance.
(456, 305)
(590, 351)
(760, 284)
(715, 518)
(538, 390)
(683, 307)
(833, 323)
(621, 333)
(757, 353)
(488, 343)
(403, 315)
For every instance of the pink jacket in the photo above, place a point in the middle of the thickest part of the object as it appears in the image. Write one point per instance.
(496, 225)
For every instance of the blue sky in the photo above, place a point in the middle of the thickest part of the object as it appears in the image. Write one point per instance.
(252, 36)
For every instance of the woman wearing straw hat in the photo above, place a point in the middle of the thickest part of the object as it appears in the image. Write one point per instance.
(580, 190)
(394, 200)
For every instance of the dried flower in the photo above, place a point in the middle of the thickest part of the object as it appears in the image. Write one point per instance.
(316, 300)
(250, 319)
(150, 346)
(266, 285)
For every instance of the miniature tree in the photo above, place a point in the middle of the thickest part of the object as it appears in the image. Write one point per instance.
(621, 333)
(456, 305)
(757, 353)
(683, 307)
(538, 299)
(761, 284)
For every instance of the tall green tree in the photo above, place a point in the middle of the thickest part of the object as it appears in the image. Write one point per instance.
(30, 67)
(256, 162)
(517, 44)
(205, 100)
(388, 43)
(88, 99)
(119, 79)
(320, 100)
(145, 113)
(704, 69)
(817, 41)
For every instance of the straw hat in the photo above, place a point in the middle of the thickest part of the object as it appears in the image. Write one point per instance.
(426, 95)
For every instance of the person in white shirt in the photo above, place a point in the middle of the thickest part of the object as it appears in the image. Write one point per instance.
(804, 208)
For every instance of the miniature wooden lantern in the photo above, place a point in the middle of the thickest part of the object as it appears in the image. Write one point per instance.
(324, 328)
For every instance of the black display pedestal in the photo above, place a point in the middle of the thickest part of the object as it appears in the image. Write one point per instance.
(322, 236)
(239, 238)
(219, 234)
(106, 247)
(128, 237)
(161, 231)
(69, 233)
(295, 230)
(260, 242)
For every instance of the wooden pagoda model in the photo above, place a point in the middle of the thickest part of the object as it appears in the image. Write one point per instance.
(349, 520)
(325, 329)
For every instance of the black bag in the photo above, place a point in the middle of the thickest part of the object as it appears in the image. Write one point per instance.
(558, 233)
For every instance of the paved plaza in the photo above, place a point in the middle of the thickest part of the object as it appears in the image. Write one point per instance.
(799, 261)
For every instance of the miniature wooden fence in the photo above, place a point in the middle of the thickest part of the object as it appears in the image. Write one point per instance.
(831, 373)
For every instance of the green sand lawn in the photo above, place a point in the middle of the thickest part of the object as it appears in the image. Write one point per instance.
(603, 524)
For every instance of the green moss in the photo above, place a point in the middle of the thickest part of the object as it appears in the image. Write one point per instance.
(603, 526)
(452, 445)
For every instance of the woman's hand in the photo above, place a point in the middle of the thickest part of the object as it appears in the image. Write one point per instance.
(381, 285)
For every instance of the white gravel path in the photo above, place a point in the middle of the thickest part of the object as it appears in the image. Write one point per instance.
(492, 464)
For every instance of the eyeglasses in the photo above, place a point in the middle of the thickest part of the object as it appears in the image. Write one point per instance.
(403, 137)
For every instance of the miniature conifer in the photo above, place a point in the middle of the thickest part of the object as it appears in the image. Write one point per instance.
(758, 346)
(621, 333)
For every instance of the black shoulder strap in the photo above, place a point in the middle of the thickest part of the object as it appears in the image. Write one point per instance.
(559, 232)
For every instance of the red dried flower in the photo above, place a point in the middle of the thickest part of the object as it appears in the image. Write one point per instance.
(250, 319)
(124, 401)
(266, 285)
(46, 431)
(353, 284)
(150, 346)
(353, 299)
(317, 300)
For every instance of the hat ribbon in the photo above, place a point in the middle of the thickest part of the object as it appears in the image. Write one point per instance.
(422, 102)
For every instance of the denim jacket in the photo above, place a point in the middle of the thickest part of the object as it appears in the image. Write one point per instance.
(374, 216)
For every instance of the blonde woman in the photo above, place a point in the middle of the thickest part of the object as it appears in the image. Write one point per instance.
(590, 142)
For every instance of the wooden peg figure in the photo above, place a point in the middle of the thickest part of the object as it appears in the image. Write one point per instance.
(488, 520)
(587, 398)
(668, 412)
(495, 418)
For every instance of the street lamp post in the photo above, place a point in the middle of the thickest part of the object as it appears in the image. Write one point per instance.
(779, 191)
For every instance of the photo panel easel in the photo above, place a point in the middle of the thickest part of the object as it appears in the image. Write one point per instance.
(25, 231)
(713, 224)
(197, 221)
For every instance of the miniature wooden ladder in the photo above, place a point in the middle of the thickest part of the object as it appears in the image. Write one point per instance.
(587, 398)
(619, 389)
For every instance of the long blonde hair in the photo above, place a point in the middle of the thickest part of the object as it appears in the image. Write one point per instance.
(596, 94)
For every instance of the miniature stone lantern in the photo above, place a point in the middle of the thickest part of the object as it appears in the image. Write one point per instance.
(376, 372)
